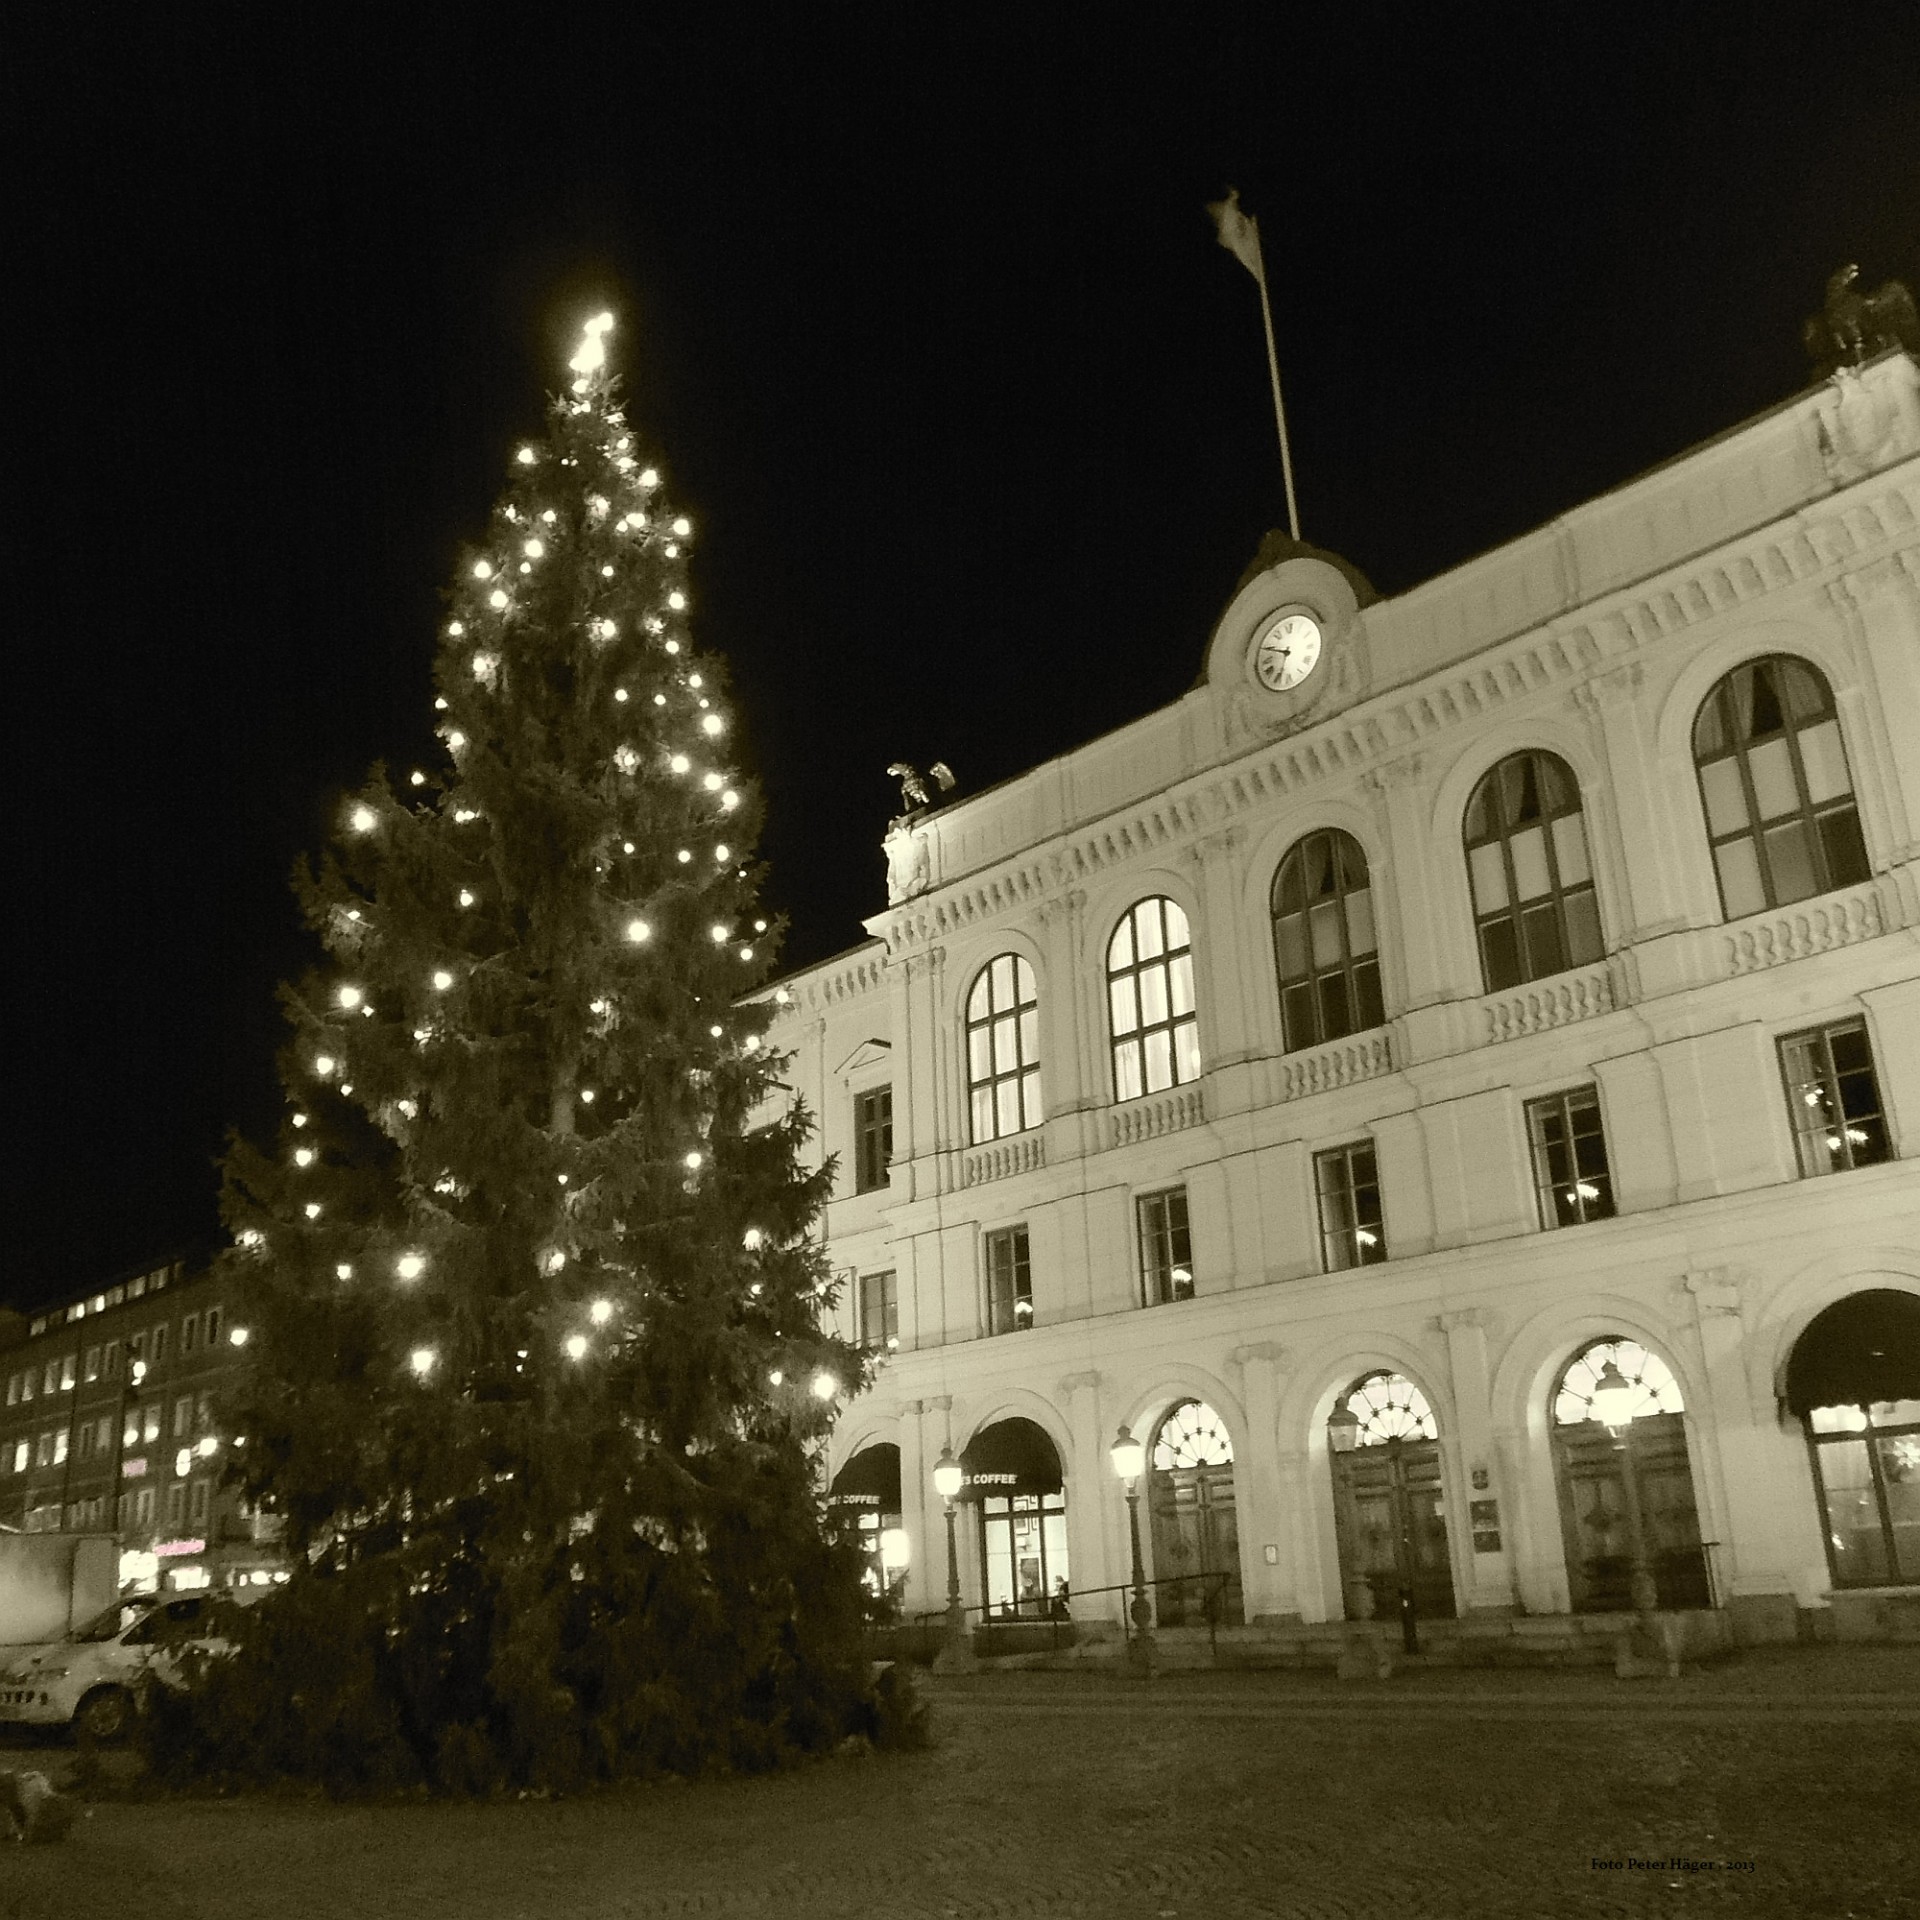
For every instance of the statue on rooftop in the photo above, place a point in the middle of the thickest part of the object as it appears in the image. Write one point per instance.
(1852, 327)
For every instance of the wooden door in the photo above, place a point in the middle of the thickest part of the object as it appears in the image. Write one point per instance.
(1391, 1522)
(1593, 1514)
(1195, 1532)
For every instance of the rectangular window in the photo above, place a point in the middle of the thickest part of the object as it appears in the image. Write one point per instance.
(43, 1451)
(13, 1388)
(189, 1333)
(69, 1370)
(110, 1360)
(176, 1506)
(1833, 1098)
(1166, 1247)
(136, 1346)
(1009, 1281)
(213, 1326)
(872, 1138)
(59, 1446)
(50, 1379)
(1346, 1183)
(92, 1368)
(83, 1449)
(26, 1384)
(203, 1414)
(1571, 1179)
(183, 1417)
(198, 1502)
(879, 1312)
(150, 1420)
(143, 1507)
(22, 1455)
(159, 1348)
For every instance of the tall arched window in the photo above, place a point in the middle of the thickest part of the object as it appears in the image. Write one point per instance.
(1775, 786)
(1003, 1049)
(1156, 1037)
(1324, 943)
(1533, 902)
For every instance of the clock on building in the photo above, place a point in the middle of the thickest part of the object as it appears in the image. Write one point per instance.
(1286, 651)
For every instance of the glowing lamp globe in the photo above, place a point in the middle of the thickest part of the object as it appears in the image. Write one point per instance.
(576, 1346)
(949, 1476)
(1612, 1400)
(1129, 1456)
(421, 1360)
(410, 1266)
(600, 1312)
(825, 1386)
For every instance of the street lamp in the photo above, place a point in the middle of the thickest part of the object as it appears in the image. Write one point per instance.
(1612, 1404)
(1130, 1462)
(956, 1656)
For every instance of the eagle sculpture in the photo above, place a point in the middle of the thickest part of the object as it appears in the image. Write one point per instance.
(1852, 327)
(913, 789)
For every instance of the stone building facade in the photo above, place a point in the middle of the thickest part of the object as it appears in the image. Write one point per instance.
(1454, 1005)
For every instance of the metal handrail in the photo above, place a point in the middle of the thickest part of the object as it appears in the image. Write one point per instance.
(1214, 1583)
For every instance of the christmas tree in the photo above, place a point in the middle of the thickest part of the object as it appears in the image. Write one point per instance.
(537, 1370)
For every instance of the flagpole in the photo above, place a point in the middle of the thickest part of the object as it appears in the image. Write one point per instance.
(1273, 369)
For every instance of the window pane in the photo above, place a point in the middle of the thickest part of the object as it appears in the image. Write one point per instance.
(1180, 973)
(1570, 849)
(1360, 936)
(1584, 945)
(1003, 981)
(1725, 797)
(1545, 952)
(1805, 691)
(1500, 955)
(1324, 921)
(1336, 1016)
(979, 1053)
(1853, 1514)
(1008, 1101)
(1489, 878)
(1771, 767)
(1126, 1070)
(1297, 1011)
(1709, 728)
(1824, 761)
(1120, 951)
(1120, 997)
(982, 1113)
(1366, 989)
(1030, 1035)
(1790, 862)
(1848, 1046)
(1291, 938)
(1153, 995)
(1845, 850)
(1530, 863)
(1739, 878)
(1186, 1044)
(1146, 928)
(1176, 923)
(977, 1000)
(1030, 1098)
(1159, 1060)
(1004, 1044)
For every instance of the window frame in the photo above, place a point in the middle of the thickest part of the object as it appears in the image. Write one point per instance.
(1157, 1232)
(1513, 912)
(872, 1137)
(886, 1338)
(1797, 1104)
(1807, 813)
(1347, 1239)
(1584, 1211)
(1868, 1434)
(1361, 999)
(1023, 1076)
(1007, 1253)
(1177, 1025)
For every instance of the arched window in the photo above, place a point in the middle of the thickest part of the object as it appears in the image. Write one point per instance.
(1533, 902)
(1324, 943)
(1003, 1049)
(1775, 787)
(1156, 1037)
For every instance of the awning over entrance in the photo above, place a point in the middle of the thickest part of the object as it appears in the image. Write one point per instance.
(870, 1479)
(1861, 1349)
(1011, 1456)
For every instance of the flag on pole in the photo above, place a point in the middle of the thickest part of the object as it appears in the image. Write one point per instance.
(1239, 231)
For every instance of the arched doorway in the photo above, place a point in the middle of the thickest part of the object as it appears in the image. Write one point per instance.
(1195, 1531)
(1590, 1467)
(866, 1494)
(1389, 1508)
(1854, 1380)
(1014, 1481)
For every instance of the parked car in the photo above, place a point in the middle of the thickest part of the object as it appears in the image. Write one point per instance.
(93, 1680)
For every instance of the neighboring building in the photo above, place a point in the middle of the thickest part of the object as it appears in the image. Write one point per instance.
(108, 1426)
(1451, 1004)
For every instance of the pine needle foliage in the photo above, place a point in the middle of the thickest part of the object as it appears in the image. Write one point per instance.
(533, 1308)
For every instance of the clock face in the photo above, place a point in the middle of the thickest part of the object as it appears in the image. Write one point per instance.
(1288, 651)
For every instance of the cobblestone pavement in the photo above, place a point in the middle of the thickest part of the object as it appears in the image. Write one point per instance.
(1784, 1787)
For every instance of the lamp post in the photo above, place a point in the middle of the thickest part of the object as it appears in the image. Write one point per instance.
(1129, 1462)
(1612, 1404)
(956, 1655)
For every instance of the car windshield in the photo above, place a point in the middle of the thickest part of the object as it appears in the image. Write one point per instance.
(114, 1621)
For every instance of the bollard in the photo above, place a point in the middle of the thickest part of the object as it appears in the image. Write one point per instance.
(32, 1809)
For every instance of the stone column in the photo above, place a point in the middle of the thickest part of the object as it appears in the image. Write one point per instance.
(1880, 605)
(1486, 1504)
(1220, 972)
(1644, 883)
(1266, 1570)
(1094, 1559)
(926, 1544)
(1072, 1083)
(1406, 897)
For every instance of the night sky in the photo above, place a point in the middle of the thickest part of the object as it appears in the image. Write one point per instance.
(922, 314)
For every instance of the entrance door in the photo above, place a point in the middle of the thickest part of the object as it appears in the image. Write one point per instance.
(1196, 1533)
(1391, 1523)
(1593, 1513)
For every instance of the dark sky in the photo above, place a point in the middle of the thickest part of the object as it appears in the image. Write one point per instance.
(922, 311)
